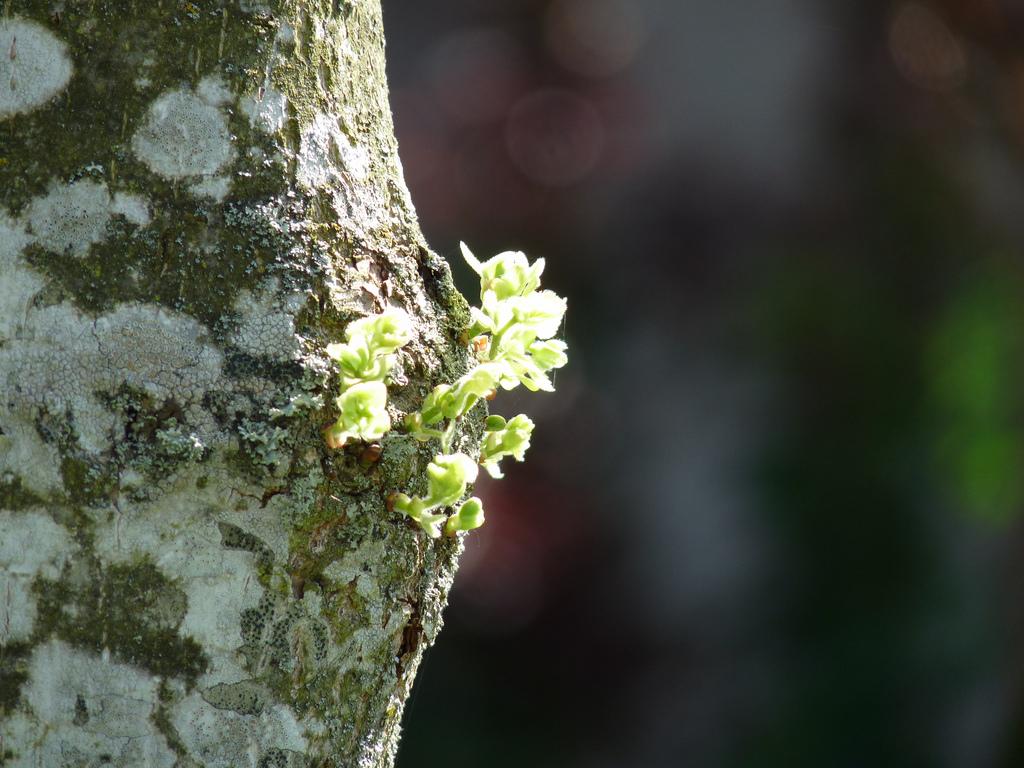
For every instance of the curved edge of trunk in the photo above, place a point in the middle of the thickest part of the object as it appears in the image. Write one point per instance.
(196, 198)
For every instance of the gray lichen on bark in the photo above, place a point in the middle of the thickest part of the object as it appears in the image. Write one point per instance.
(195, 198)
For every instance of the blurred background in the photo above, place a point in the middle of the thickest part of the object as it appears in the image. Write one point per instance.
(772, 516)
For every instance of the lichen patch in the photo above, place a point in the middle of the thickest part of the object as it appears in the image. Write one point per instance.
(214, 187)
(179, 532)
(108, 715)
(19, 283)
(327, 155)
(213, 90)
(184, 135)
(329, 162)
(64, 359)
(247, 697)
(25, 456)
(133, 207)
(267, 110)
(219, 736)
(13, 238)
(34, 66)
(31, 545)
(265, 328)
(71, 217)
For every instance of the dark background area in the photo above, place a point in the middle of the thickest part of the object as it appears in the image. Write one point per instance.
(771, 516)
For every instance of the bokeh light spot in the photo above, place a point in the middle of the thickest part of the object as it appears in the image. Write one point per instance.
(476, 73)
(555, 137)
(596, 38)
(925, 50)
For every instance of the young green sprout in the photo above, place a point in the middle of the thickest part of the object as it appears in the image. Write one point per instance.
(365, 360)
(447, 478)
(469, 517)
(453, 401)
(504, 438)
(515, 323)
(364, 415)
(368, 354)
(512, 336)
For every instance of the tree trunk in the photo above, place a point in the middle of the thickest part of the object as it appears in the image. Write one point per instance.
(195, 198)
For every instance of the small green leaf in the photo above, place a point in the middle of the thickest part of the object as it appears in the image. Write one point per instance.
(507, 274)
(447, 478)
(363, 416)
(382, 334)
(510, 440)
(469, 517)
(494, 423)
(364, 362)
(468, 390)
(549, 354)
(436, 404)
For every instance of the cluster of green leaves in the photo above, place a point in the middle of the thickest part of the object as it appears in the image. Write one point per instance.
(512, 335)
(365, 360)
(505, 438)
(447, 478)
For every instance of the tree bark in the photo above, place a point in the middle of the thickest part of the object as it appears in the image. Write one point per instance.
(195, 198)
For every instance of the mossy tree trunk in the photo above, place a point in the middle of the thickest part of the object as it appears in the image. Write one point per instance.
(195, 198)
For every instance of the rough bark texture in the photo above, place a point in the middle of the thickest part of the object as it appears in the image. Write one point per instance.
(195, 198)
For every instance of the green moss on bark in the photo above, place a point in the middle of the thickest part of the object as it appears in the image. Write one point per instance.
(132, 610)
(14, 496)
(13, 673)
